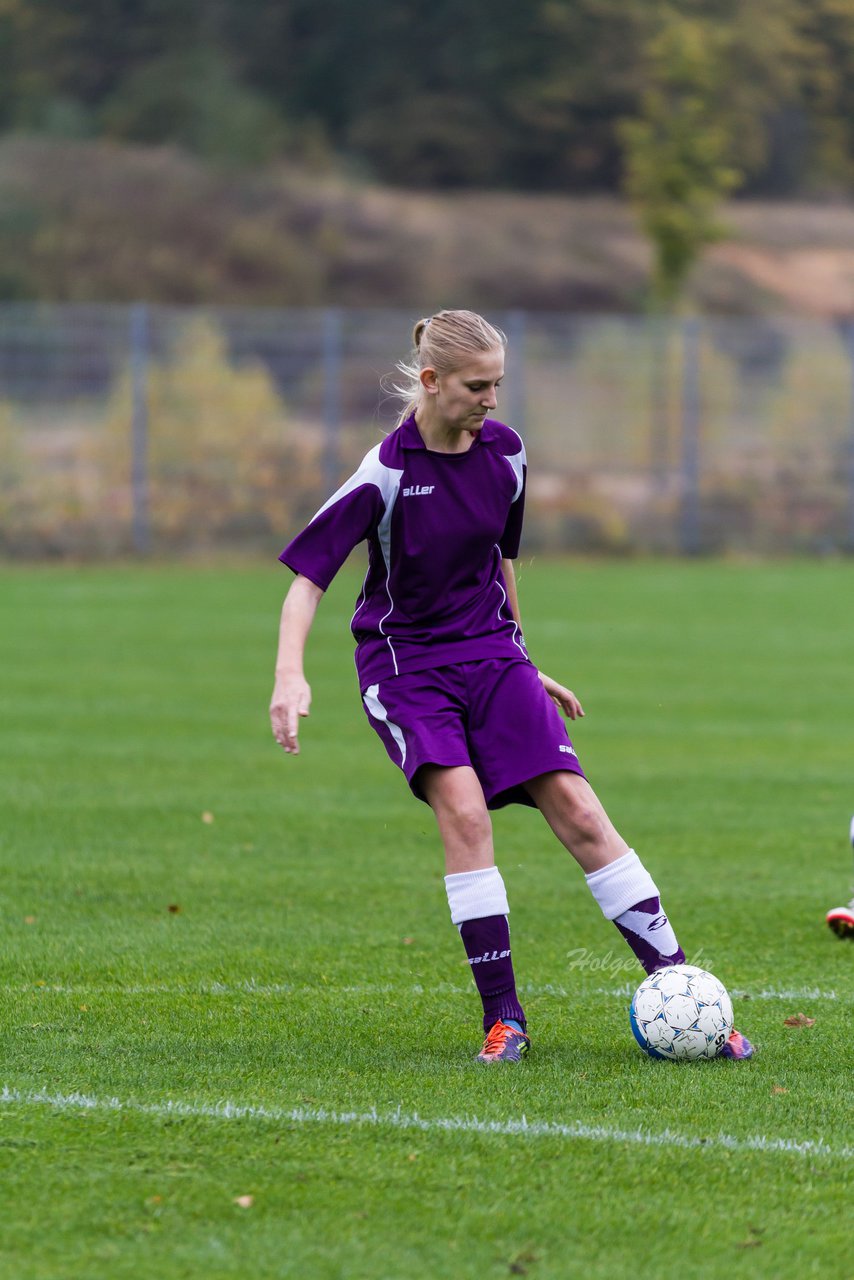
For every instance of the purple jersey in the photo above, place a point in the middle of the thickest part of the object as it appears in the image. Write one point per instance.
(437, 526)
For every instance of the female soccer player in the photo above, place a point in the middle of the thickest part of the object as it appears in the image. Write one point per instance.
(445, 676)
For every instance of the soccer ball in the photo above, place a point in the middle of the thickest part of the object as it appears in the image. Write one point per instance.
(681, 1013)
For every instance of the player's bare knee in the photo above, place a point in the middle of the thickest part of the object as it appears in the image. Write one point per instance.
(590, 824)
(469, 823)
(583, 815)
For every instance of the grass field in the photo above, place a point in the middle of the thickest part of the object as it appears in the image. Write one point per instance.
(227, 973)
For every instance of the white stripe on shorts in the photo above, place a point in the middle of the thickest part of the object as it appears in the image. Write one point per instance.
(378, 711)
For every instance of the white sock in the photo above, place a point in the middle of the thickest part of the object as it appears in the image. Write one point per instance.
(619, 888)
(621, 884)
(472, 895)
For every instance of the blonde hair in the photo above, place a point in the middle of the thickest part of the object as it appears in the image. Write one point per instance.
(442, 342)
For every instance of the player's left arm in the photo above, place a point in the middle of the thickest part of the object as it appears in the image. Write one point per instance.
(562, 697)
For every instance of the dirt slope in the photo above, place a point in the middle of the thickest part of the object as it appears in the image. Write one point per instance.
(86, 221)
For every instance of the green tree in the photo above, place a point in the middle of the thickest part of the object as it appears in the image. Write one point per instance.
(678, 150)
(193, 99)
(826, 31)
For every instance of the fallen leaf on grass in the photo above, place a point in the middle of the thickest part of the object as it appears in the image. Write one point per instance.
(207, 817)
(245, 1202)
(174, 907)
(407, 942)
(778, 1088)
(29, 919)
(799, 1020)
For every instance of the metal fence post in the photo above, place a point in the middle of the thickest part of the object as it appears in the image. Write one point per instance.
(332, 352)
(689, 532)
(660, 328)
(516, 333)
(139, 346)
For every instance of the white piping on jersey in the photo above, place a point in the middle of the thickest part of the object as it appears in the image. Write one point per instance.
(362, 597)
(384, 536)
(517, 634)
(378, 711)
(387, 480)
(517, 462)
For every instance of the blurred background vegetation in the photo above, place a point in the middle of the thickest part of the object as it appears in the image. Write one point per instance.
(218, 221)
(320, 151)
(483, 93)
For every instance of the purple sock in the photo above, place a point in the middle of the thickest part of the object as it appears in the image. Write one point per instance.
(487, 944)
(650, 935)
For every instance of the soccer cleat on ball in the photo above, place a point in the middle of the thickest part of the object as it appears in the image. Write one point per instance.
(504, 1044)
(737, 1047)
(841, 920)
(681, 1013)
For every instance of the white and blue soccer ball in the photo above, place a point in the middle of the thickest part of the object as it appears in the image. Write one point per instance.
(681, 1013)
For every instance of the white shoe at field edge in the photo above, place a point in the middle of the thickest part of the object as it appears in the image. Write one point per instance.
(841, 919)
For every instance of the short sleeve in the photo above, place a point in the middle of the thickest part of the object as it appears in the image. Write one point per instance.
(510, 539)
(341, 524)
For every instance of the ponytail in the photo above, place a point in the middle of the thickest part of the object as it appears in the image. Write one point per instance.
(442, 342)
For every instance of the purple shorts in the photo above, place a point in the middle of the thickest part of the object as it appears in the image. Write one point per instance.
(493, 715)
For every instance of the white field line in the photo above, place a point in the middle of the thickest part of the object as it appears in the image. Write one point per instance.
(575, 1131)
(253, 988)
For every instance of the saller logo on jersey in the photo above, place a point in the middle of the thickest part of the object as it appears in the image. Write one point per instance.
(416, 490)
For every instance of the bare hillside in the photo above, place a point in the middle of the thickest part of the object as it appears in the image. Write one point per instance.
(92, 222)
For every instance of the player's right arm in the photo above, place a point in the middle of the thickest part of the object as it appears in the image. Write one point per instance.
(291, 693)
(315, 556)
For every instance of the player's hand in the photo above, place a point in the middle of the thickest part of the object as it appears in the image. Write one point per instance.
(290, 702)
(564, 699)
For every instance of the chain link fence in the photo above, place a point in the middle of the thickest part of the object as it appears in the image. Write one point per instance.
(149, 430)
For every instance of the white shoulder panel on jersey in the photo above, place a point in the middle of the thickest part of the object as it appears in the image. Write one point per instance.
(371, 471)
(517, 462)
